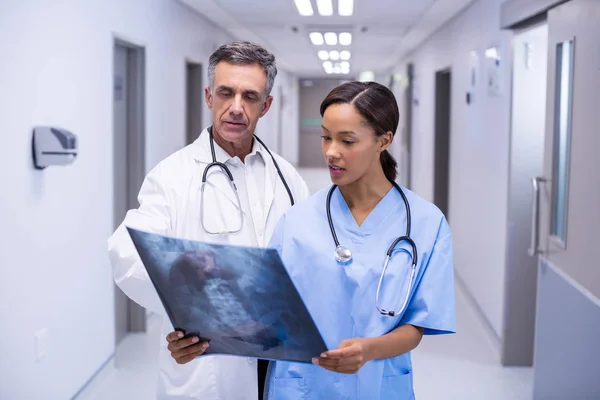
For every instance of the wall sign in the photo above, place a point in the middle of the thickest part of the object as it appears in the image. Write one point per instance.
(493, 67)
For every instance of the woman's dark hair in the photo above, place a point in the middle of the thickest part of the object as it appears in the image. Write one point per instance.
(377, 105)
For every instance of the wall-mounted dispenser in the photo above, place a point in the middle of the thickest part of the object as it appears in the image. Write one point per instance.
(53, 146)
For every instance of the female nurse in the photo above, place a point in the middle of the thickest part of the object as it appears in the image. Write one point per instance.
(335, 246)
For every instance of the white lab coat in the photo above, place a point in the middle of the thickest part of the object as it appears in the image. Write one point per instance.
(170, 205)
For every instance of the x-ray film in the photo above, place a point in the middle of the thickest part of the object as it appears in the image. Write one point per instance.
(239, 299)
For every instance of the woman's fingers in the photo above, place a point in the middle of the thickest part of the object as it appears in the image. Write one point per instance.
(338, 362)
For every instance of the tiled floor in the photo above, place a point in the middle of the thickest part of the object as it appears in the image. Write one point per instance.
(464, 366)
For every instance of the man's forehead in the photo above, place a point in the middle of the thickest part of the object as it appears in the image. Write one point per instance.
(242, 77)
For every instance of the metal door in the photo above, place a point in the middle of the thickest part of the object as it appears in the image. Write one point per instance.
(567, 355)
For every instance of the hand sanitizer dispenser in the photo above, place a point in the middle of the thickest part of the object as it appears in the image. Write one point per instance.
(53, 146)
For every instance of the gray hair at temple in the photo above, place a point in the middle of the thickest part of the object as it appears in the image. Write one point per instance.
(244, 53)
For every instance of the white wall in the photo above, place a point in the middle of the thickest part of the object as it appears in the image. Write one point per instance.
(268, 128)
(56, 69)
(479, 149)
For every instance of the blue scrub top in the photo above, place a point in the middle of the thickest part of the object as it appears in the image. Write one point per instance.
(341, 298)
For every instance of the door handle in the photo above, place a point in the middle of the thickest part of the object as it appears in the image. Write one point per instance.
(535, 216)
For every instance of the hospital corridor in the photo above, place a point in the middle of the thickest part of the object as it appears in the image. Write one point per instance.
(300, 199)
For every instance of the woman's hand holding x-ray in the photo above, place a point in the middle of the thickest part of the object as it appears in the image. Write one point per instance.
(184, 350)
(348, 358)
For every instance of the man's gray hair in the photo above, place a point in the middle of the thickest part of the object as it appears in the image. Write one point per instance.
(245, 53)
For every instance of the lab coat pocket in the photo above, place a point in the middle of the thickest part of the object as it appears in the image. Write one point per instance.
(399, 387)
(287, 389)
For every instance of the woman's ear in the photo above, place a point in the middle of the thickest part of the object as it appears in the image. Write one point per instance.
(385, 140)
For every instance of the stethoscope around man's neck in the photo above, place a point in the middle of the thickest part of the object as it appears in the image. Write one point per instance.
(225, 169)
(343, 255)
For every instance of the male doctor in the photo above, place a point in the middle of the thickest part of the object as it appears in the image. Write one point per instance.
(241, 76)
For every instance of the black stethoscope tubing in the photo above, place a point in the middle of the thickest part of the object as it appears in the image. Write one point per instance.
(223, 167)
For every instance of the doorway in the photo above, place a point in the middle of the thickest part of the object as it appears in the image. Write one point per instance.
(128, 160)
(568, 298)
(528, 111)
(443, 96)
(194, 100)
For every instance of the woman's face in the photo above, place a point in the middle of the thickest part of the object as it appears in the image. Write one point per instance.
(350, 147)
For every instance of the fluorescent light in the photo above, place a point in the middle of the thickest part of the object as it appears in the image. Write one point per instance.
(327, 65)
(345, 65)
(304, 7)
(337, 69)
(331, 38)
(325, 7)
(345, 38)
(316, 38)
(334, 55)
(492, 53)
(344, 55)
(366, 76)
(345, 7)
(323, 55)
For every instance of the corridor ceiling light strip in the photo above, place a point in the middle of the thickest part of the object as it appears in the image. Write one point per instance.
(337, 68)
(323, 55)
(345, 7)
(325, 7)
(331, 38)
(316, 38)
(304, 7)
(345, 38)
(344, 55)
(334, 55)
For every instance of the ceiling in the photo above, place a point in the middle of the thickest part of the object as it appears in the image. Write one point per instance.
(383, 31)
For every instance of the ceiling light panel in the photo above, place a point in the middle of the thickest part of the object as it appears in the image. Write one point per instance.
(345, 55)
(323, 55)
(334, 55)
(325, 7)
(345, 38)
(304, 7)
(345, 7)
(331, 38)
(316, 38)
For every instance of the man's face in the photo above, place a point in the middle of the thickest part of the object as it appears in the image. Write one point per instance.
(237, 100)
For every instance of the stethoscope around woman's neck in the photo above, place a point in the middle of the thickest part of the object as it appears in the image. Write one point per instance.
(343, 255)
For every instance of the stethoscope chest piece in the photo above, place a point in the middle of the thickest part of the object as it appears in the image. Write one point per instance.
(342, 255)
